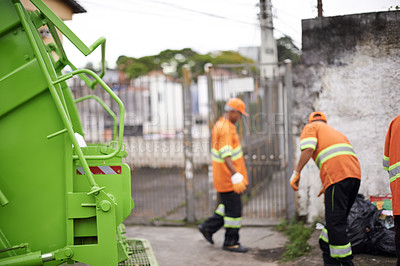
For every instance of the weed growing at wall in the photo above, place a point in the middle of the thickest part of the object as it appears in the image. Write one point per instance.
(298, 235)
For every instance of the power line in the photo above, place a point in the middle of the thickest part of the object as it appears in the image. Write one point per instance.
(198, 12)
(170, 5)
(287, 25)
(287, 13)
(185, 9)
(113, 7)
(237, 3)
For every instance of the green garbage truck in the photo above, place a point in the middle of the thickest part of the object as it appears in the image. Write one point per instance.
(61, 200)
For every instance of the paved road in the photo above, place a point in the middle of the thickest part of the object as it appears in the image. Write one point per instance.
(182, 246)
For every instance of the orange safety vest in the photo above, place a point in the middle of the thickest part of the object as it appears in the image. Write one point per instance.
(333, 153)
(224, 143)
(391, 162)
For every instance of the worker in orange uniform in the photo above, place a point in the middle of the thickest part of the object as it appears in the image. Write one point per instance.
(340, 176)
(391, 163)
(229, 177)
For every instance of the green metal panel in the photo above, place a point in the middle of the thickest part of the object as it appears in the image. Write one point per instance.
(12, 35)
(28, 161)
(49, 213)
(16, 88)
(18, 64)
(32, 168)
(9, 17)
(119, 185)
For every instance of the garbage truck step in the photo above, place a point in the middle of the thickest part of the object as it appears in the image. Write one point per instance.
(141, 253)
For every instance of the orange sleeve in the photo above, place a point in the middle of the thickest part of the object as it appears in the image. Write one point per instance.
(223, 143)
(387, 142)
(308, 137)
(386, 154)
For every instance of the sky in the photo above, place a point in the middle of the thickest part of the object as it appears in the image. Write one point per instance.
(139, 28)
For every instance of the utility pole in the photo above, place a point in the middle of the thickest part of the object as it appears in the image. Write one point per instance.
(268, 69)
(320, 10)
(268, 51)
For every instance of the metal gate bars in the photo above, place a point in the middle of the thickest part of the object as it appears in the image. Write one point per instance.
(167, 132)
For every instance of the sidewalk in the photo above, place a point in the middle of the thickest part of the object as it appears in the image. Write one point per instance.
(182, 246)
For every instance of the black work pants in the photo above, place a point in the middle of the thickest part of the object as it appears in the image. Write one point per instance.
(229, 208)
(339, 198)
(397, 237)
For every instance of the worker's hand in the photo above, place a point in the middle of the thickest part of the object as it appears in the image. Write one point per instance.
(322, 191)
(294, 180)
(238, 182)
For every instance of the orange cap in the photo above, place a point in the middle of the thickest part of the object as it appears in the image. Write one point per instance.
(238, 105)
(317, 116)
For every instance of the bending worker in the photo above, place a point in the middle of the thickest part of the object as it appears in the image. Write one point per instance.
(229, 177)
(340, 176)
(391, 163)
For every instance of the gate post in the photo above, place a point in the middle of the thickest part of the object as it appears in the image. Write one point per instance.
(289, 166)
(188, 145)
(212, 117)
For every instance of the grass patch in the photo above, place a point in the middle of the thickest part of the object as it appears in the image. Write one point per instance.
(298, 235)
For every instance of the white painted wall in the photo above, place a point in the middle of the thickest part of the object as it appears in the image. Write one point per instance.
(360, 97)
(166, 99)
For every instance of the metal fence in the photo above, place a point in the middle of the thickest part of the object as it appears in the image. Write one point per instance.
(158, 112)
(154, 140)
(264, 134)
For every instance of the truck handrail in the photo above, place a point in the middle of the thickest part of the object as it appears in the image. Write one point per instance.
(67, 32)
(53, 79)
(105, 107)
(116, 99)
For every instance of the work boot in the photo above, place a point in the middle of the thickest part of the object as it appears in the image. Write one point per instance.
(205, 233)
(235, 248)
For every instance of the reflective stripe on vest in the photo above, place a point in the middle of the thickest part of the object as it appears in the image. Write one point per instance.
(308, 143)
(340, 251)
(219, 156)
(237, 153)
(230, 222)
(220, 210)
(215, 156)
(394, 171)
(333, 151)
(225, 151)
(324, 235)
(385, 163)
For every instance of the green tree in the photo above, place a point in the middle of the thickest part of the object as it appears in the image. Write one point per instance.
(171, 62)
(230, 57)
(287, 50)
(136, 70)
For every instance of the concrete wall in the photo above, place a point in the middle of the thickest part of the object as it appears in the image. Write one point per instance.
(350, 71)
(164, 153)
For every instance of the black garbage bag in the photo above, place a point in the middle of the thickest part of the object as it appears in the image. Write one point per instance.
(385, 244)
(367, 233)
(358, 223)
(381, 239)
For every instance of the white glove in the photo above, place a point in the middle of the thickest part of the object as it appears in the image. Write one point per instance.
(236, 178)
(238, 183)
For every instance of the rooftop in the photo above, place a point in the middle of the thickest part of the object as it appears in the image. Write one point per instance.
(76, 8)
